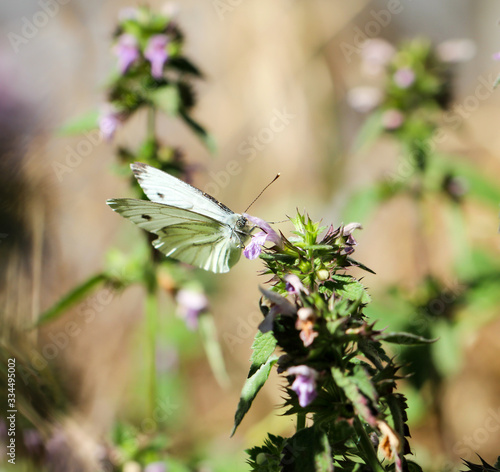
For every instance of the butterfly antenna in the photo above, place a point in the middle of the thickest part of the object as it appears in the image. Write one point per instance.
(262, 191)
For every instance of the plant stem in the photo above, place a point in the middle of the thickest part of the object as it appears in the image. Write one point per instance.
(152, 329)
(366, 447)
(301, 421)
(151, 124)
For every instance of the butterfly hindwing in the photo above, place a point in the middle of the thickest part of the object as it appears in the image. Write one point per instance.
(183, 234)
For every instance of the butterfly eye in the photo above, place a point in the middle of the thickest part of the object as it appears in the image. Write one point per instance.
(241, 222)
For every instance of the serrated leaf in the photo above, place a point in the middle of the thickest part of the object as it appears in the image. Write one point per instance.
(263, 346)
(205, 137)
(364, 382)
(250, 390)
(307, 450)
(167, 99)
(350, 288)
(408, 339)
(83, 123)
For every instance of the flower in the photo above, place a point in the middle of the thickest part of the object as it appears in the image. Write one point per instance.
(279, 306)
(350, 242)
(376, 54)
(390, 444)
(305, 323)
(254, 248)
(156, 53)
(304, 384)
(404, 77)
(392, 119)
(190, 304)
(364, 99)
(108, 121)
(127, 51)
(456, 50)
(294, 285)
(156, 467)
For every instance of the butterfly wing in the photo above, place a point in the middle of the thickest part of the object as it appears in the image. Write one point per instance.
(183, 234)
(164, 188)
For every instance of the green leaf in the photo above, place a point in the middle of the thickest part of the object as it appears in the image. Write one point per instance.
(71, 298)
(184, 65)
(213, 350)
(407, 339)
(263, 346)
(205, 137)
(369, 132)
(252, 386)
(364, 382)
(308, 450)
(86, 122)
(167, 99)
(362, 203)
(350, 288)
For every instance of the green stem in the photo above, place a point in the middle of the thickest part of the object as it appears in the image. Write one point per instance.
(152, 329)
(151, 125)
(366, 449)
(301, 421)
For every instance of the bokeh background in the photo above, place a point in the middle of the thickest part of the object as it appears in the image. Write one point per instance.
(261, 59)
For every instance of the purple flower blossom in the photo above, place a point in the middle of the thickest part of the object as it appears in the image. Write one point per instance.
(279, 306)
(127, 51)
(392, 119)
(364, 99)
(404, 77)
(190, 304)
(294, 285)
(254, 248)
(304, 384)
(156, 54)
(156, 467)
(109, 121)
(376, 54)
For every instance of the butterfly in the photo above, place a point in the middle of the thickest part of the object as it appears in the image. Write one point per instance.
(192, 226)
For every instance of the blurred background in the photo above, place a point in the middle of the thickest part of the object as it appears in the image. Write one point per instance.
(285, 60)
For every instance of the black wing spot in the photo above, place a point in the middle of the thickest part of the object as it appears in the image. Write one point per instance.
(160, 195)
(146, 217)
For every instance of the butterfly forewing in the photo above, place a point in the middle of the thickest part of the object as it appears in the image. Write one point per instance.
(164, 188)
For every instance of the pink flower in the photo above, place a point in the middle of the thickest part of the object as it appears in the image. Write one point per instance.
(294, 285)
(392, 119)
(364, 99)
(127, 51)
(190, 304)
(404, 77)
(109, 121)
(304, 384)
(376, 54)
(156, 54)
(254, 248)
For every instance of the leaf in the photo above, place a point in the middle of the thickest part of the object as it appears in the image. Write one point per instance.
(369, 132)
(249, 391)
(205, 137)
(71, 298)
(307, 450)
(350, 288)
(408, 339)
(263, 346)
(184, 65)
(364, 382)
(167, 99)
(86, 122)
(362, 203)
(213, 350)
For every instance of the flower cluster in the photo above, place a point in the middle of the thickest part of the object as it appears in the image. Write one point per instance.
(331, 356)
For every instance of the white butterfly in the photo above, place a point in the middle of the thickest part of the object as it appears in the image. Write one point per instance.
(192, 226)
